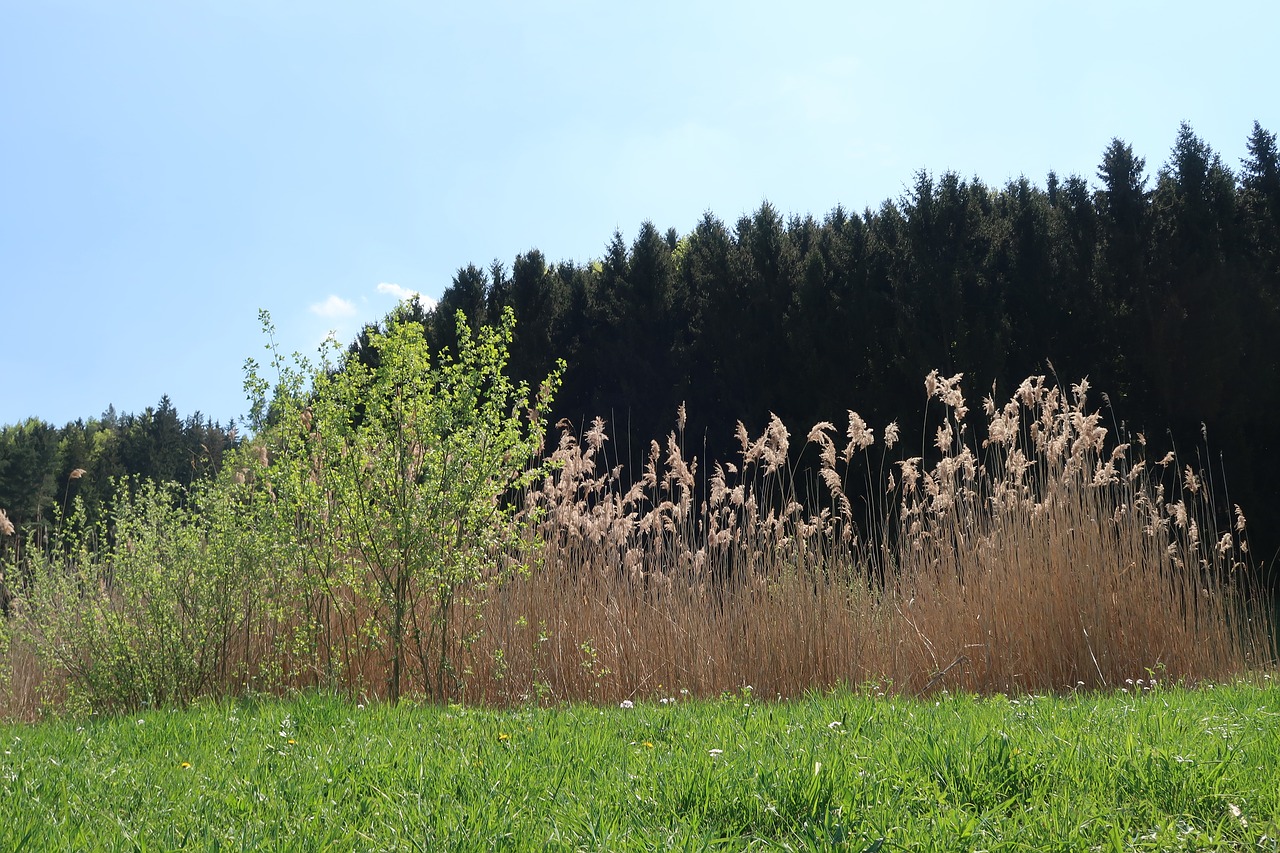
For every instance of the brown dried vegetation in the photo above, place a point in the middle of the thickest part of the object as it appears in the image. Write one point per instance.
(1043, 557)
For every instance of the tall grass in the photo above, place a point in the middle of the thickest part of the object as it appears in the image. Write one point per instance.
(1041, 557)
(1025, 548)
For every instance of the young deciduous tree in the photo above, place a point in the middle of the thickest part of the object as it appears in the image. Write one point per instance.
(396, 478)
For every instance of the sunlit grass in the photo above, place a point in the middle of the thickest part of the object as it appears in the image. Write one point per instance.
(1137, 768)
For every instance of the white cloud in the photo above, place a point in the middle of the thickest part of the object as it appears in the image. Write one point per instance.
(396, 290)
(404, 294)
(334, 307)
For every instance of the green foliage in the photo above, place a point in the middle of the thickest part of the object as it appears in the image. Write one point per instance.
(148, 618)
(43, 468)
(374, 497)
(372, 511)
(391, 475)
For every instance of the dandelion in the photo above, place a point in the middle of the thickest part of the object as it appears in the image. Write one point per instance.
(503, 736)
(648, 744)
(186, 765)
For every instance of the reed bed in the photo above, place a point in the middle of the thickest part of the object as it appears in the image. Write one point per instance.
(1023, 548)
(1042, 557)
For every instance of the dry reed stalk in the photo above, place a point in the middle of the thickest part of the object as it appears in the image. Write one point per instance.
(1041, 560)
(28, 687)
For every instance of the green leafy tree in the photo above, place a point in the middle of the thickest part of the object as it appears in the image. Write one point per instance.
(396, 481)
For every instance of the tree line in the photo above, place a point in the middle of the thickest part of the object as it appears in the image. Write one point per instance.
(1163, 289)
(44, 468)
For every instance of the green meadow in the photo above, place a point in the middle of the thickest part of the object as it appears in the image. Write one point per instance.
(1137, 768)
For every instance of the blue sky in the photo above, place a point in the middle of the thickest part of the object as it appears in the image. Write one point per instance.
(169, 168)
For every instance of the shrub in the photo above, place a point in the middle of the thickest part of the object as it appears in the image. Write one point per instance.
(391, 476)
(147, 619)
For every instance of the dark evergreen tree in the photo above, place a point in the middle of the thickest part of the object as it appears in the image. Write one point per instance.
(1121, 272)
(1195, 300)
(469, 293)
(1260, 189)
(28, 474)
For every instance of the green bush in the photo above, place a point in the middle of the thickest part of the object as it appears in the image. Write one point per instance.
(391, 478)
(147, 615)
(338, 547)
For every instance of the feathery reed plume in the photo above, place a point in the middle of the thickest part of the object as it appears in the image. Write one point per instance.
(1051, 558)
(891, 435)
(6, 526)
